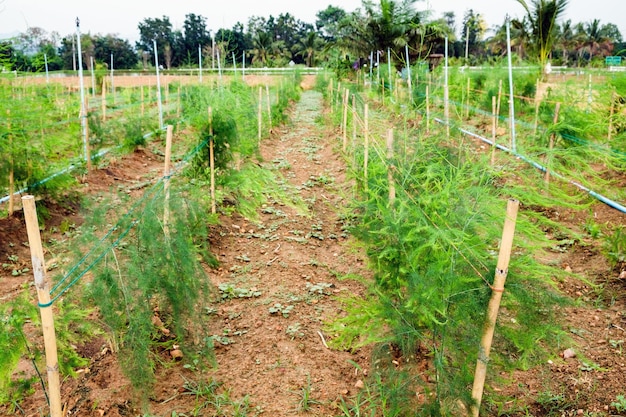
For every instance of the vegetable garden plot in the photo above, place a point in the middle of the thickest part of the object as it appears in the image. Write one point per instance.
(392, 258)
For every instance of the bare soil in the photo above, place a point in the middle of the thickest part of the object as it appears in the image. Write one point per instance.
(294, 258)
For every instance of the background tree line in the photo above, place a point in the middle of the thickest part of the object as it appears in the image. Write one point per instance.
(337, 38)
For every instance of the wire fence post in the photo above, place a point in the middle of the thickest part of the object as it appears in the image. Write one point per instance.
(43, 295)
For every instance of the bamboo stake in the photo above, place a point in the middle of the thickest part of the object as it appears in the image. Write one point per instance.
(390, 167)
(354, 115)
(366, 135)
(178, 104)
(536, 108)
(427, 109)
(551, 145)
(338, 92)
(494, 304)
(43, 295)
(382, 88)
(499, 102)
(166, 180)
(269, 106)
(344, 124)
(494, 124)
(611, 113)
(331, 96)
(87, 147)
(212, 160)
(467, 109)
(11, 170)
(260, 111)
(104, 99)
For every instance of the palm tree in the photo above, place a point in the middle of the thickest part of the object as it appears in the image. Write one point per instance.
(568, 39)
(542, 18)
(307, 47)
(595, 40)
(262, 46)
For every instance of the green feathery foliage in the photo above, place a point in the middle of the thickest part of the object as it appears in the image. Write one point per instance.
(151, 287)
(434, 252)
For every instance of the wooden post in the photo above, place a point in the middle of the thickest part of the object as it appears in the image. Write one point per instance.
(499, 102)
(338, 92)
(494, 124)
(212, 160)
(551, 145)
(467, 109)
(104, 99)
(269, 106)
(611, 113)
(260, 111)
(390, 167)
(178, 104)
(354, 116)
(344, 124)
(87, 147)
(494, 305)
(166, 180)
(43, 295)
(536, 108)
(11, 161)
(427, 109)
(331, 97)
(382, 89)
(366, 135)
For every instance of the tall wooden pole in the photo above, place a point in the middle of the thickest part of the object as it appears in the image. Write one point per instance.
(446, 100)
(354, 116)
(611, 113)
(11, 169)
(494, 128)
(104, 99)
(390, 167)
(344, 124)
(551, 144)
(366, 137)
(494, 304)
(467, 109)
(260, 111)
(536, 127)
(43, 294)
(269, 106)
(143, 107)
(212, 160)
(166, 180)
(427, 109)
(87, 145)
(499, 102)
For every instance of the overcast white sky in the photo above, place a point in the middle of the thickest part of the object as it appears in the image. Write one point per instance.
(122, 16)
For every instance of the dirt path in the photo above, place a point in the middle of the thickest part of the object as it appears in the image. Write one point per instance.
(285, 267)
